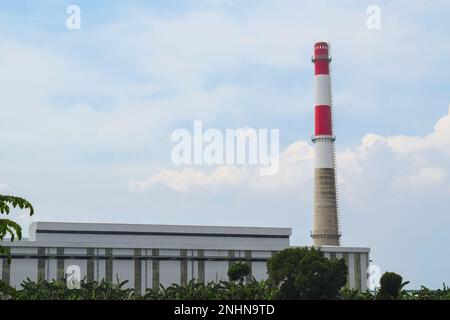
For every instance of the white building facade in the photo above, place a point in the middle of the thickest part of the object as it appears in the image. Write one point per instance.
(148, 256)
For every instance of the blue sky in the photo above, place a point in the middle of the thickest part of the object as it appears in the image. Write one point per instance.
(87, 112)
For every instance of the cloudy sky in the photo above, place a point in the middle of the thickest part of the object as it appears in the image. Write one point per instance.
(87, 115)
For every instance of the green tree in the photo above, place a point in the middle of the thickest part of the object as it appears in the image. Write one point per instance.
(302, 273)
(391, 286)
(238, 271)
(8, 226)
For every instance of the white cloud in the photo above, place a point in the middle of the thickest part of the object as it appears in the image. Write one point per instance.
(439, 138)
(427, 176)
(409, 160)
(184, 180)
(295, 164)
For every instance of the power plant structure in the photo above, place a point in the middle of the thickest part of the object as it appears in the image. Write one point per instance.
(326, 216)
(149, 255)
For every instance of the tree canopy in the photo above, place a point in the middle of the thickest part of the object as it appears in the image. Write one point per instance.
(238, 271)
(302, 273)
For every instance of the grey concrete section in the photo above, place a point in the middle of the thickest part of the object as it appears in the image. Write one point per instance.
(326, 227)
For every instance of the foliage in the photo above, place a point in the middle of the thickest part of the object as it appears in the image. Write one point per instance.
(224, 290)
(391, 286)
(423, 294)
(6, 291)
(7, 201)
(251, 290)
(238, 271)
(302, 273)
(427, 294)
(193, 290)
(58, 290)
(8, 226)
(353, 294)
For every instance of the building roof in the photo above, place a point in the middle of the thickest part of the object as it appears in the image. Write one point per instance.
(37, 228)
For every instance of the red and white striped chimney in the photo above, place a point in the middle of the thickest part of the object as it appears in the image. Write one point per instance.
(326, 221)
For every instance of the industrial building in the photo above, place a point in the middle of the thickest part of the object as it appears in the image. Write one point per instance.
(150, 255)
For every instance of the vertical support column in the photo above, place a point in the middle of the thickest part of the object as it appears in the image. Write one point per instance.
(345, 254)
(183, 266)
(97, 265)
(155, 269)
(351, 271)
(109, 265)
(231, 254)
(367, 266)
(201, 265)
(41, 264)
(90, 265)
(60, 271)
(358, 271)
(192, 264)
(248, 258)
(6, 267)
(137, 273)
(146, 269)
(364, 266)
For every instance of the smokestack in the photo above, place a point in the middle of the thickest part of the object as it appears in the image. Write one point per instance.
(326, 221)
